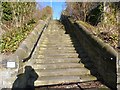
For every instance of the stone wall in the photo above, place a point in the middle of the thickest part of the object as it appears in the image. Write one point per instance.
(102, 55)
(20, 56)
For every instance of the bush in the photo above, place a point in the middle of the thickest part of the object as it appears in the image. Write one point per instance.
(32, 21)
(11, 40)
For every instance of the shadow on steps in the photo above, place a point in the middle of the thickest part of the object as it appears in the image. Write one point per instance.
(25, 81)
(84, 58)
(83, 55)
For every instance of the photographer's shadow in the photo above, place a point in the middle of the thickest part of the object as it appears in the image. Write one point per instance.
(26, 80)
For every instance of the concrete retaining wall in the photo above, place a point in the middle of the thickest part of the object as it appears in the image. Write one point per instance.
(102, 55)
(22, 54)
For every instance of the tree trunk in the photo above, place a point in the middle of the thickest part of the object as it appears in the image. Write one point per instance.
(118, 23)
(106, 10)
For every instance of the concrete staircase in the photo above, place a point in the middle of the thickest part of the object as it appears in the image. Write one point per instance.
(56, 60)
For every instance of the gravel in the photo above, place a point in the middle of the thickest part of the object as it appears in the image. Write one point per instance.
(94, 85)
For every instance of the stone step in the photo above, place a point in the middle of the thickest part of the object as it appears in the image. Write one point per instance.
(89, 64)
(48, 54)
(44, 45)
(94, 71)
(53, 37)
(61, 38)
(63, 79)
(61, 41)
(67, 48)
(57, 56)
(58, 65)
(57, 50)
(58, 42)
(86, 60)
(54, 45)
(54, 58)
(54, 52)
(60, 60)
(57, 60)
(59, 35)
(83, 78)
(62, 72)
(83, 55)
(61, 47)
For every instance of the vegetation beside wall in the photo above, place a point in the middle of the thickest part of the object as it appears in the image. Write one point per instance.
(18, 19)
(103, 16)
(11, 39)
